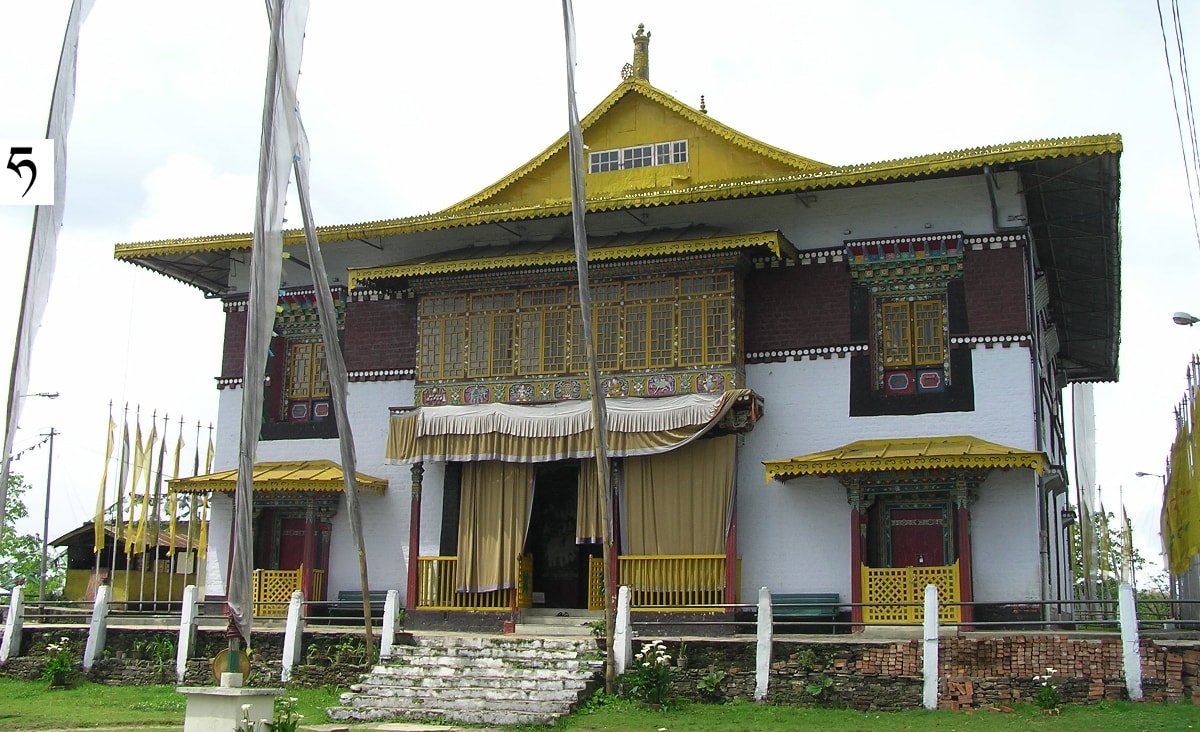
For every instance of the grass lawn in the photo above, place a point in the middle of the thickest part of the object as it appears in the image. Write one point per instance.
(745, 717)
(29, 705)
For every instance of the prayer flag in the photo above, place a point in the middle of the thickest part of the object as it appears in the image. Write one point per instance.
(98, 521)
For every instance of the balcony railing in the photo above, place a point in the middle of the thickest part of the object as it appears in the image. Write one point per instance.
(436, 587)
(664, 583)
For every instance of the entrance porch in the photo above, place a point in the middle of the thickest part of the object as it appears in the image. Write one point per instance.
(910, 518)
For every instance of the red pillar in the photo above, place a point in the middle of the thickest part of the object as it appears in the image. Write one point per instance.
(857, 538)
(414, 536)
(965, 583)
(309, 562)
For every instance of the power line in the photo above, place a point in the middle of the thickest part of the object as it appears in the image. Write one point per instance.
(1191, 164)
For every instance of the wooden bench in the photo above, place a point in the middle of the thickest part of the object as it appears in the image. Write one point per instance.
(350, 602)
(805, 606)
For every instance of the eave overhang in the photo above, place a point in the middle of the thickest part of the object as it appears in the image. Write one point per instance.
(563, 253)
(311, 476)
(920, 453)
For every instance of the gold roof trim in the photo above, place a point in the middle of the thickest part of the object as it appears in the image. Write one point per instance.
(917, 453)
(323, 476)
(773, 240)
(828, 177)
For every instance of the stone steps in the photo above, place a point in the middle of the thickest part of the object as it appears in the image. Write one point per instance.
(497, 680)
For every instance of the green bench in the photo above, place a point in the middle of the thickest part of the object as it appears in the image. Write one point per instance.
(350, 602)
(805, 606)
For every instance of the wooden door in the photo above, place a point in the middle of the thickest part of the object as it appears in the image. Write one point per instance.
(291, 544)
(918, 537)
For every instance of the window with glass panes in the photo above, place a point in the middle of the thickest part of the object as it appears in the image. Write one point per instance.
(490, 325)
(543, 321)
(638, 156)
(443, 325)
(912, 332)
(660, 323)
(307, 376)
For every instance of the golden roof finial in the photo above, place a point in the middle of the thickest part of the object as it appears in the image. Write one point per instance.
(641, 53)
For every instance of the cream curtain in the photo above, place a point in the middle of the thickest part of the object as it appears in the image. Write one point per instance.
(679, 502)
(589, 511)
(493, 518)
(549, 432)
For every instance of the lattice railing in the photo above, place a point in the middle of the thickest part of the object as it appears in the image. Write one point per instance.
(895, 595)
(678, 582)
(273, 590)
(436, 588)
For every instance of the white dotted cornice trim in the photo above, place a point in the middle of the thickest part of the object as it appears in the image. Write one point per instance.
(1004, 341)
(382, 375)
(371, 294)
(810, 353)
(995, 241)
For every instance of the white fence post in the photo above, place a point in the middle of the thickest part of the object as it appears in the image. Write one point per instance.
(1130, 645)
(930, 636)
(762, 658)
(391, 610)
(11, 646)
(98, 629)
(187, 632)
(293, 635)
(622, 640)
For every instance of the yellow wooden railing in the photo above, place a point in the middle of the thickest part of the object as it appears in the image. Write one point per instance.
(273, 589)
(895, 596)
(664, 583)
(673, 582)
(436, 587)
(595, 583)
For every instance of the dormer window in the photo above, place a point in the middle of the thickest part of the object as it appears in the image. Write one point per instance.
(638, 156)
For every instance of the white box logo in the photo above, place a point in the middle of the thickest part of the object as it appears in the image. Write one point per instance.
(27, 175)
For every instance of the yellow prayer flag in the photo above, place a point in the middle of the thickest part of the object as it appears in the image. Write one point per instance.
(98, 522)
(202, 542)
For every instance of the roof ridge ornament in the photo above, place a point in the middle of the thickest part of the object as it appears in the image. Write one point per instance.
(641, 53)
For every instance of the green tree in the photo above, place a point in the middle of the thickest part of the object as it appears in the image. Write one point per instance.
(1113, 549)
(21, 554)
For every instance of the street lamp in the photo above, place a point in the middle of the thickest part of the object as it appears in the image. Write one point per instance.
(1182, 318)
(1141, 474)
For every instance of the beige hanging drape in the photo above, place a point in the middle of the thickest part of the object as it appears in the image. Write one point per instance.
(493, 518)
(589, 509)
(679, 502)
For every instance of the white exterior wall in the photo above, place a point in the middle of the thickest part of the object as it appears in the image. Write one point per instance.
(384, 518)
(807, 410)
(1004, 538)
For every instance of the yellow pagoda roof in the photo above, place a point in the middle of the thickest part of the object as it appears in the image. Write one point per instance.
(462, 214)
(295, 475)
(914, 453)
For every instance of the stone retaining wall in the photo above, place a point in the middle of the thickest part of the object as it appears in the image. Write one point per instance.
(976, 672)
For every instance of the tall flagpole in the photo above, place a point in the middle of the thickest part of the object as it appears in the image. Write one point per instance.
(47, 220)
(599, 412)
(287, 20)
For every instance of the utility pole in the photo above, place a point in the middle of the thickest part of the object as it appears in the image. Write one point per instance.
(46, 527)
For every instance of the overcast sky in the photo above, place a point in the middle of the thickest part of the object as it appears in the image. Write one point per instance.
(411, 107)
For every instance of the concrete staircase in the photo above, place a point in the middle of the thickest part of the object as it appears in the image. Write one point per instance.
(489, 680)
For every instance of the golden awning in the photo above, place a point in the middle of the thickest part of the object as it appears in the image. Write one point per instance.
(321, 476)
(914, 453)
(559, 431)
